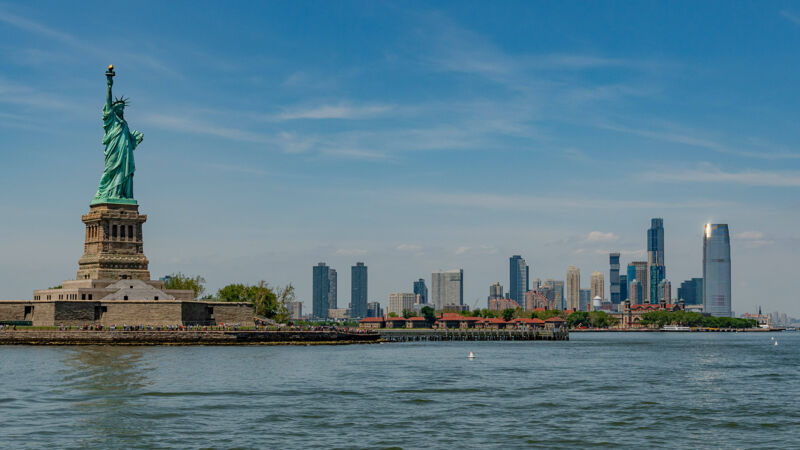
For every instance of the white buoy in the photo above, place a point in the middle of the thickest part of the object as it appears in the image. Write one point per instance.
(471, 355)
(773, 338)
(776, 342)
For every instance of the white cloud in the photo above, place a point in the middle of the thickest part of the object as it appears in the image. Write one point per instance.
(768, 178)
(335, 112)
(408, 248)
(791, 17)
(599, 236)
(749, 235)
(351, 252)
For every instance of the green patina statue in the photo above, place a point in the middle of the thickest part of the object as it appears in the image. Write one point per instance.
(116, 185)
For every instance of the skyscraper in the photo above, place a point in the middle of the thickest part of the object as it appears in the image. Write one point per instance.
(358, 290)
(495, 291)
(598, 285)
(657, 275)
(321, 291)
(586, 299)
(691, 291)
(623, 287)
(517, 279)
(717, 270)
(400, 302)
(655, 256)
(558, 293)
(421, 290)
(636, 292)
(573, 288)
(665, 291)
(333, 293)
(613, 278)
(447, 288)
(641, 275)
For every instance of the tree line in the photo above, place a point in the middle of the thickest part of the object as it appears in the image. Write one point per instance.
(268, 301)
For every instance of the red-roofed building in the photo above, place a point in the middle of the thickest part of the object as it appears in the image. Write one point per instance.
(632, 314)
(526, 323)
(492, 323)
(395, 322)
(555, 323)
(453, 320)
(371, 322)
(416, 322)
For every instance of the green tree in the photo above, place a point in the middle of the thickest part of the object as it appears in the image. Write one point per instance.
(392, 314)
(178, 280)
(407, 313)
(429, 314)
(578, 319)
(285, 296)
(508, 314)
(266, 300)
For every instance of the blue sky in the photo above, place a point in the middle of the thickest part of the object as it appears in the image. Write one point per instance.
(412, 136)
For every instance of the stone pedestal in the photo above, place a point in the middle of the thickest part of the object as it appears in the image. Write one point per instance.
(114, 249)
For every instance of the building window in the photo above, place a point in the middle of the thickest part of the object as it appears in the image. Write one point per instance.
(125, 298)
(130, 231)
(83, 296)
(122, 231)
(90, 296)
(114, 231)
(156, 298)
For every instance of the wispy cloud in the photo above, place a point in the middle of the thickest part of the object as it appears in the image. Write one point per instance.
(792, 17)
(334, 112)
(599, 236)
(753, 239)
(715, 175)
(81, 45)
(196, 126)
(351, 252)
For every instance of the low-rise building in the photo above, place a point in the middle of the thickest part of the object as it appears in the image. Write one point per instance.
(372, 322)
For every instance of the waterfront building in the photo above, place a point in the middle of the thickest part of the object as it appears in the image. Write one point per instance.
(338, 313)
(657, 275)
(495, 293)
(358, 290)
(447, 288)
(640, 274)
(321, 291)
(613, 278)
(586, 299)
(499, 304)
(598, 285)
(421, 290)
(558, 294)
(717, 270)
(691, 291)
(518, 278)
(401, 301)
(333, 294)
(573, 288)
(655, 255)
(636, 293)
(295, 309)
(665, 291)
(374, 309)
(632, 313)
(623, 287)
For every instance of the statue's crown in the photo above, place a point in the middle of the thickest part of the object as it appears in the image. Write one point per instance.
(121, 101)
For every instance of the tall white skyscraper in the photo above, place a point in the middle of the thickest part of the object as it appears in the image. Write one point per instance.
(447, 288)
(717, 270)
(573, 288)
(598, 285)
(401, 301)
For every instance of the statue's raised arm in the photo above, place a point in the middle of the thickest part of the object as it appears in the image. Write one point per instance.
(116, 185)
(110, 81)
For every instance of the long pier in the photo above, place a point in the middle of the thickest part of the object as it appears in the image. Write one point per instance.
(470, 334)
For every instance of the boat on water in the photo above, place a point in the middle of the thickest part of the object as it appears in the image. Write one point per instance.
(675, 328)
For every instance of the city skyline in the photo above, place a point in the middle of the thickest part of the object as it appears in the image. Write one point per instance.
(404, 114)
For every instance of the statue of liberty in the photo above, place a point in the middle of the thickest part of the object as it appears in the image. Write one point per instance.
(116, 185)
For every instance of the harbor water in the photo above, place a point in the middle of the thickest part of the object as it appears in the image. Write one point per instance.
(636, 390)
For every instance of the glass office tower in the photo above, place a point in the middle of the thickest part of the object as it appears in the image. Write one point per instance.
(717, 270)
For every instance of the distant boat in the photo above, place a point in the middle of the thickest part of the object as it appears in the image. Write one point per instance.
(776, 342)
(675, 328)
(471, 355)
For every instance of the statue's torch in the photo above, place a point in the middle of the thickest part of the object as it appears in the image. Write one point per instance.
(110, 72)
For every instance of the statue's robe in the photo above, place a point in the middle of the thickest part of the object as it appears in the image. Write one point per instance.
(120, 141)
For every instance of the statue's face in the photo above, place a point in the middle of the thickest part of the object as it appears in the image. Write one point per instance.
(119, 109)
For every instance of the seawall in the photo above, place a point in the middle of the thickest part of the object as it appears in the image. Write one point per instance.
(119, 337)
